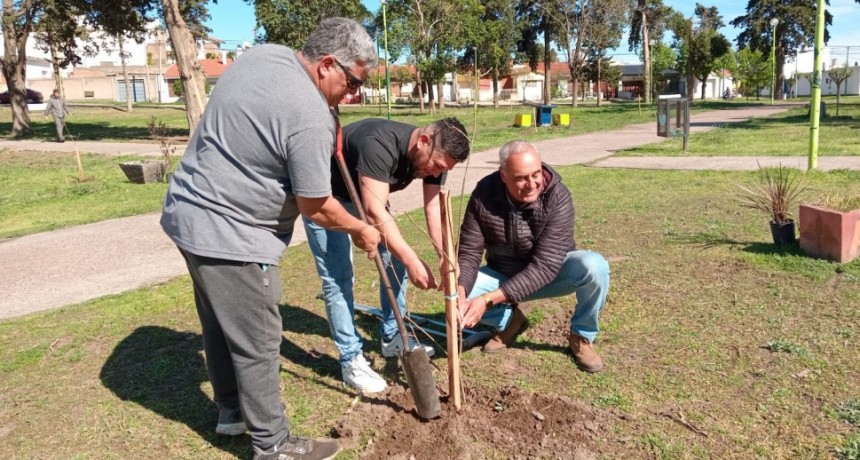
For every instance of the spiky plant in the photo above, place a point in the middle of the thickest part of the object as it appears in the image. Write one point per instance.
(776, 194)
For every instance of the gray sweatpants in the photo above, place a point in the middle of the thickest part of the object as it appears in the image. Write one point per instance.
(60, 123)
(242, 331)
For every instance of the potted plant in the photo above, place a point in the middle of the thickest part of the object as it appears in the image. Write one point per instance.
(830, 228)
(147, 171)
(775, 194)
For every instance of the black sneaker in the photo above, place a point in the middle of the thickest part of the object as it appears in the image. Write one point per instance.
(296, 448)
(230, 422)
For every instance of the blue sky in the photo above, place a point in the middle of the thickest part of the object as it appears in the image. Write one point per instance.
(233, 20)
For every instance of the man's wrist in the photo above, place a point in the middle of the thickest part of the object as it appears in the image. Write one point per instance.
(488, 301)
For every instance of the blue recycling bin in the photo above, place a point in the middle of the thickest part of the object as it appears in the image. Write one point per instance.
(543, 114)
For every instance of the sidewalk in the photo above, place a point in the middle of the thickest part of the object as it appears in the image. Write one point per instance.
(52, 269)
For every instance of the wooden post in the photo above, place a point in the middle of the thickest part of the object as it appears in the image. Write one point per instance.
(449, 280)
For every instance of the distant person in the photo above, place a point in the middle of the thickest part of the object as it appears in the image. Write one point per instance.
(522, 217)
(57, 106)
(383, 157)
(261, 156)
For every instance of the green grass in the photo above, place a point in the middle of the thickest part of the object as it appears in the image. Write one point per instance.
(784, 134)
(43, 191)
(686, 330)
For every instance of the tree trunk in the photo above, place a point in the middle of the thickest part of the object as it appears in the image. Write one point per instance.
(129, 85)
(646, 54)
(55, 67)
(420, 84)
(599, 92)
(496, 87)
(704, 85)
(14, 64)
(838, 84)
(440, 90)
(431, 98)
(190, 72)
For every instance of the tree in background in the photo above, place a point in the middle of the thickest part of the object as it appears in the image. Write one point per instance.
(753, 71)
(648, 21)
(609, 17)
(663, 58)
(19, 19)
(290, 22)
(185, 51)
(433, 31)
(839, 75)
(491, 33)
(538, 19)
(119, 20)
(59, 35)
(585, 29)
(728, 63)
(796, 28)
(699, 45)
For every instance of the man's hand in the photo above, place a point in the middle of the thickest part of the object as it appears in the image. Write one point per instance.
(420, 275)
(474, 311)
(367, 239)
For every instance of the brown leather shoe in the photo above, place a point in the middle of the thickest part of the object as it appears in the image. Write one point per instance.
(519, 323)
(584, 356)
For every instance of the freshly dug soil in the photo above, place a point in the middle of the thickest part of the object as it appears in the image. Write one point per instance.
(506, 423)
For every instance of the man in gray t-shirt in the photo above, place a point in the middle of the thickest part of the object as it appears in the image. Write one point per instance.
(259, 157)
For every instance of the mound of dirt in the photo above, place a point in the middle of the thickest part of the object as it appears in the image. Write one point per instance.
(507, 423)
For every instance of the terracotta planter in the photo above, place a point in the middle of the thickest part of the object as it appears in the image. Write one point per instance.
(829, 234)
(143, 172)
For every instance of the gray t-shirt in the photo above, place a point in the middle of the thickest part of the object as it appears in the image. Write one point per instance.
(266, 136)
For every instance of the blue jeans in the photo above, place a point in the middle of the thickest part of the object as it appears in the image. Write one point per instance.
(584, 272)
(332, 252)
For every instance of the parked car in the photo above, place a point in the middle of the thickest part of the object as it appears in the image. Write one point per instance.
(33, 97)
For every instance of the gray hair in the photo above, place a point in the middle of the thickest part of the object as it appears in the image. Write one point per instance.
(514, 147)
(343, 38)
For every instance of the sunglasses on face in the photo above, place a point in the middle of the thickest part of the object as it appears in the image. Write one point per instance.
(351, 82)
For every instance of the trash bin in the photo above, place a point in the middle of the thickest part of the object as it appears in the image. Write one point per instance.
(543, 114)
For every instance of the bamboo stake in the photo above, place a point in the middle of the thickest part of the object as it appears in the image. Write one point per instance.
(449, 279)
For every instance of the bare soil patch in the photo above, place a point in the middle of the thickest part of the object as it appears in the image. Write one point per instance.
(500, 423)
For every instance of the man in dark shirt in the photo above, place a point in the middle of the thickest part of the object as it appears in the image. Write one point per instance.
(382, 157)
(522, 216)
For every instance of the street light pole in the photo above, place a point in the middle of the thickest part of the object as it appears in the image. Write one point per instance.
(387, 76)
(773, 24)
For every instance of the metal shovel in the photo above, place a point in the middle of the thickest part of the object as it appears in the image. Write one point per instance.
(416, 364)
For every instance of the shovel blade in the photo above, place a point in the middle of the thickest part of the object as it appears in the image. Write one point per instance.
(419, 375)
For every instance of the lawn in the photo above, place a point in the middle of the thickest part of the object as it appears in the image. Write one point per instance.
(838, 136)
(717, 344)
(495, 126)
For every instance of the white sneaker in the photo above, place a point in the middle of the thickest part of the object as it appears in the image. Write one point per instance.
(358, 374)
(393, 346)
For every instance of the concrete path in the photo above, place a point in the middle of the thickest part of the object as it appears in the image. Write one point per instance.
(100, 147)
(49, 270)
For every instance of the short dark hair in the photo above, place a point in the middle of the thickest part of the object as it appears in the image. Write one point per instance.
(449, 136)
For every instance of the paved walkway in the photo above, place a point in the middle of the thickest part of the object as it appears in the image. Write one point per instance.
(72, 265)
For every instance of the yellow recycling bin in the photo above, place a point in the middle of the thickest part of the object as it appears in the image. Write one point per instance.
(523, 119)
(561, 119)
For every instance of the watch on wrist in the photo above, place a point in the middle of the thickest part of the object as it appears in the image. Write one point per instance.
(487, 300)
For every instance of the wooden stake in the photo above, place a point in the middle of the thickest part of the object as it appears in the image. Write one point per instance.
(80, 165)
(449, 280)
